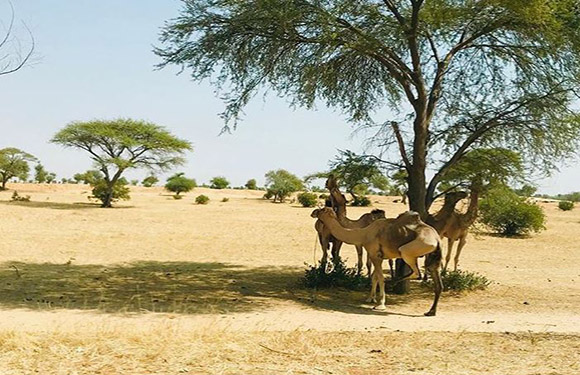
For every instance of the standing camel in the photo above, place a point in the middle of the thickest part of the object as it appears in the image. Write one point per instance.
(405, 237)
(365, 220)
(326, 239)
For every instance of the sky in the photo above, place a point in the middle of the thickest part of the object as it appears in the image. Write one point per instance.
(94, 59)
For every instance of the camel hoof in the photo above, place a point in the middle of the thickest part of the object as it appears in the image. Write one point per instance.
(380, 308)
(374, 300)
(430, 313)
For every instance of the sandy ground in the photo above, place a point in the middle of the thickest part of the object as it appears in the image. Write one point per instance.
(71, 274)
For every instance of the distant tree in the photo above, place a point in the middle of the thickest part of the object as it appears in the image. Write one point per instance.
(526, 190)
(122, 144)
(219, 182)
(50, 177)
(40, 173)
(150, 181)
(178, 183)
(281, 183)
(89, 177)
(134, 182)
(251, 184)
(14, 164)
(64, 180)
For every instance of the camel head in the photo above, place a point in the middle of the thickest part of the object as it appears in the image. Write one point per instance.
(409, 217)
(325, 211)
(330, 182)
(378, 214)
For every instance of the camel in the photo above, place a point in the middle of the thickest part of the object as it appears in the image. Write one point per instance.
(405, 237)
(326, 239)
(340, 208)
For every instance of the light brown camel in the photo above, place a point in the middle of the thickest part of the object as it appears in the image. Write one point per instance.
(326, 239)
(457, 228)
(405, 237)
(339, 202)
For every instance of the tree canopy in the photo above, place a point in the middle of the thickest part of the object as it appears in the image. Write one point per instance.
(457, 75)
(121, 144)
(178, 183)
(14, 163)
(281, 183)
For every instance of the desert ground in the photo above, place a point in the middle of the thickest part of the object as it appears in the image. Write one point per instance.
(164, 286)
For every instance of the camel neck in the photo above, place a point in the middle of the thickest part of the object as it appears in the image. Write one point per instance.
(346, 235)
(472, 211)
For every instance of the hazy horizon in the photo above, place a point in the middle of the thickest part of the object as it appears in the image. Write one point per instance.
(94, 60)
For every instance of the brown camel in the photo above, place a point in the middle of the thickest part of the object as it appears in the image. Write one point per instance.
(405, 237)
(326, 239)
(365, 220)
(458, 226)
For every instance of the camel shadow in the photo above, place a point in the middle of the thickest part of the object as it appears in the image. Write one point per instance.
(173, 287)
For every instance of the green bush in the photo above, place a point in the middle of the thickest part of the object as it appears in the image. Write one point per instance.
(251, 184)
(340, 277)
(307, 199)
(149, 181)
(219, 182)
(178, 183)
(506, 213)
(464, 280)
(269, 194)
(120, 190)
(177, 196)
(361, 201)
(19, 198)
(202, 199)
(565, 205)
(225, 199)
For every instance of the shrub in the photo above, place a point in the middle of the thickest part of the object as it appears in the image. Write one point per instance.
(149, 181)
(361, 201)
(202, 199)
(341, 277)
(251, 184)
(219, 182)
(506, 213)
(269, 194)
(178, 183)
(120, 190)
(177, 196)
(19, 198)
(307, 199)
(225, 199)
(565, 205)
(461, 280)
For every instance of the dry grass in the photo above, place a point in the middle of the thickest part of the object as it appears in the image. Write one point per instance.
(164, 286)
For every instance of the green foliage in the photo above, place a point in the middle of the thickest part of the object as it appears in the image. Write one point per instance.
(280, 184)
(50, 178)
(178, 183)
(526, 191)
(573, 197)
(19, 198)
(14, 164)
(40, 173)
(340, 277)
(149, 181)
(202, 199)
(461, 281)
(101, 189)
(307, 199)
(566, 205)
(251, 184)
(361, 201)
(219, 182)
(356, 172)
(121, 144)
(508, 214)
(90, 177)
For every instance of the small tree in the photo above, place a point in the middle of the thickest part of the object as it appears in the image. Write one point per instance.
(149, 181)
(219, 182)
(50, 177)
(566, 205)
(178, 183)
(509, 214)
(122, 144)
(307, 199)
(40, 174)
(281, 183)
(14, 163)
(89, 177)
(202, 199)
(101, 191)
(251, 184)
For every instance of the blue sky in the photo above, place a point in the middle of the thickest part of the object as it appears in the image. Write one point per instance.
(93, 60)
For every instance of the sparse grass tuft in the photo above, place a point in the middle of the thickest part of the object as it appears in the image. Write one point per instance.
(19, 198)
(225, 200)
(340, 277)
(461, 280)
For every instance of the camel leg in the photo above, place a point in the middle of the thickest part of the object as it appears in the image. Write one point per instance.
(336, 245)
(449, 251)
(378, 280)
(391, 269)
(324, 243)
(462, 242)
(359, 253)
(433, 264)
(369, 265)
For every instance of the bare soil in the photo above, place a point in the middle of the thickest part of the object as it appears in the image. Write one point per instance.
(164, 286)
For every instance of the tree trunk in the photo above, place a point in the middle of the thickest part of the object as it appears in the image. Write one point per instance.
(402, 270)
(3, 184)
(108, 199)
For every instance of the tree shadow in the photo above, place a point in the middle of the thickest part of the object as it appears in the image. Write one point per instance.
(173, 287)
(60, 205)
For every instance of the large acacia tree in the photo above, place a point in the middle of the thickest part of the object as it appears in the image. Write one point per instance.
(14, 164)
(121, 144)
(458, 74)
